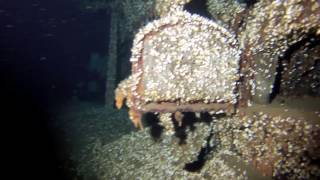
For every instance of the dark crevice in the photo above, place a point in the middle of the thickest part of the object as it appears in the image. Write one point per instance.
(188, 120)
(277, 81)
(198, 7)
(211, 146)
(205, 117)
(249, 3)
(197, 165)
(311, 40)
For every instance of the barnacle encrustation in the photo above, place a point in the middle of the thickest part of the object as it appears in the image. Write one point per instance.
(181, 62)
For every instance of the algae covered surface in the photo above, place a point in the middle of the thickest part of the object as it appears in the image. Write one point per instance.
(104, 145)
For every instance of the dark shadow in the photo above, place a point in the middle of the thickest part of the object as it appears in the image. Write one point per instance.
(188, 120)
(196, 165)
(205, 117)
(249, 3)
(153, 121)
(212, 143)
(218, 116)
(198, 7)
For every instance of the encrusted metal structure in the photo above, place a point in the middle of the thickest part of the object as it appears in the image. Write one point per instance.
(181, 62)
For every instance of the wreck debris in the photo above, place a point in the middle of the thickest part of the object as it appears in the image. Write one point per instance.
(279, 146)
(269, 30)
(171, 58)
(182, 62)
(178, 116)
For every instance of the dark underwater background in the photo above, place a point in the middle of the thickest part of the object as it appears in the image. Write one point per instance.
(45, 50)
